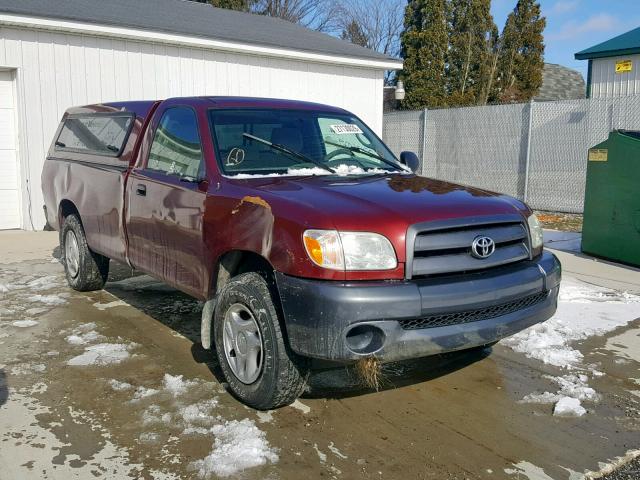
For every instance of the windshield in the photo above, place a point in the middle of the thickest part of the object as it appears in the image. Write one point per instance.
(297, 142)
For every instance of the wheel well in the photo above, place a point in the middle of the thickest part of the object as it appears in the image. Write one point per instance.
(67, 208)
(236, 262)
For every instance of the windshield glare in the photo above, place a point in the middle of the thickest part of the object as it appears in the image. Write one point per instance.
(341, 142)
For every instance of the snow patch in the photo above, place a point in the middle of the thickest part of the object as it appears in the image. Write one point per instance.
(119, 386)
(199, 413)
(47, 299)
(143, 392)
(569, 407)
(265, 417)
(115, 303)
(341, 170)
(84, 338)
(238, 445)
(44, 283)
(24, 323)
(298, 405)
(103, 354)
(583, 311)
(176, 385)
(321, 455)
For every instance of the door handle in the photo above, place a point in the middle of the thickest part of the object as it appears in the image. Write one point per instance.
(141, 190)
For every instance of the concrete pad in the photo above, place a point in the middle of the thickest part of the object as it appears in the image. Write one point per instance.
(20, 245)
(566, 246)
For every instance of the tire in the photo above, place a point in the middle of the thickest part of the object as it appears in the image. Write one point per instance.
(85, 270)
(281, 375)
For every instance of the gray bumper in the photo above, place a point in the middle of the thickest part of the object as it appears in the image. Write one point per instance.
(319, 314)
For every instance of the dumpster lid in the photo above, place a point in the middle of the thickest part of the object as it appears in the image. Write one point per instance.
(631, 133)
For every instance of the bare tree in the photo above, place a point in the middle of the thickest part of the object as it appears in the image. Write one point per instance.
(321, 15)
(376, 25)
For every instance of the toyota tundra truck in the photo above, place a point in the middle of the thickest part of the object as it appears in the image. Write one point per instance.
(303, 235)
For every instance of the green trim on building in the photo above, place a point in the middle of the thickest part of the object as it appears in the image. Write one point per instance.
(626, 44)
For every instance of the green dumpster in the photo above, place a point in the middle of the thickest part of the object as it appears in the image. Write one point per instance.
(611, 226)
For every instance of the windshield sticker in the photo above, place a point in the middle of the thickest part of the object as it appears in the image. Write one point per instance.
(345, 128)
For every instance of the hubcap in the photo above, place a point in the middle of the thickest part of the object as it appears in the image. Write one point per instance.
(242, 343)
(71, 253)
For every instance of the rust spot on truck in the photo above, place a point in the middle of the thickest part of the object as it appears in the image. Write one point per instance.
(254, 200)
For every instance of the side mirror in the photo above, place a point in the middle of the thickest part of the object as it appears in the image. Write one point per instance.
(411, 160)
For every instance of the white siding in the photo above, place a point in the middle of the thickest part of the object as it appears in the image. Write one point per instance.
(57, 70)
(605, 82)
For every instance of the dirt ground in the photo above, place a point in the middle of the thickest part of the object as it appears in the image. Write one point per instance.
(567, 222)
(458, 416)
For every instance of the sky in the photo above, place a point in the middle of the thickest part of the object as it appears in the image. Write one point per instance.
(573, 25)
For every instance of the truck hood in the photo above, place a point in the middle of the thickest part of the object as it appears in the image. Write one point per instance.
(363, 202)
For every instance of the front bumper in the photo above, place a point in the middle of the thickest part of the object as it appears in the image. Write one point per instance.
(319, 314)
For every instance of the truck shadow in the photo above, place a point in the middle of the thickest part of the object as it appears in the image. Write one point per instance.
(181, 313)
(4, 388)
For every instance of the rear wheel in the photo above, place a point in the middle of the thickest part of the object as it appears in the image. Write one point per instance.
(259, 366)
(85, 270)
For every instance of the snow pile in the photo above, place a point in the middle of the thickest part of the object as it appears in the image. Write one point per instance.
(103, 354)
(569, 407)
(238, 445)
(47, 299)
(176, 385)
(583, 311)
(573, 388)
(24, 323)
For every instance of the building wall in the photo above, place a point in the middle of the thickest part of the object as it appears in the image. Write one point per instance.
(54, 71)
(605, 82)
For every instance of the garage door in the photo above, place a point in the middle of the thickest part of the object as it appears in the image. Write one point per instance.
(9, 197)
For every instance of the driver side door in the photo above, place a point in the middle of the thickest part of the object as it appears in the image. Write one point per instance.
(166, 200)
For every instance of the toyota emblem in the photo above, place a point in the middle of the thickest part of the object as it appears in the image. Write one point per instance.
(482, 247)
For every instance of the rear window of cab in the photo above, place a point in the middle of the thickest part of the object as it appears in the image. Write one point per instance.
(95, 134)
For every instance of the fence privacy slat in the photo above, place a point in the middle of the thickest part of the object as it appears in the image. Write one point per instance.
(488, 147)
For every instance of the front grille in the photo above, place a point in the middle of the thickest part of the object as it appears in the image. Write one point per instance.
(468, 316)
(446, 249)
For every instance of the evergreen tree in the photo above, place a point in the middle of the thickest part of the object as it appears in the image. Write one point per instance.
(470, 28)
(521, 59)
(424, 46)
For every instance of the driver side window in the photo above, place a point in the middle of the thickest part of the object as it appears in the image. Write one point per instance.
(176, 148)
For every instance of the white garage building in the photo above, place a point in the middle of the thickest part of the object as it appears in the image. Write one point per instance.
(55, 54)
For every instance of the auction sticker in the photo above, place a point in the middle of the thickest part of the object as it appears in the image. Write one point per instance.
(345, 128)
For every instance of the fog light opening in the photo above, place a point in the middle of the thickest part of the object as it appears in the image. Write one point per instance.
(365, 339)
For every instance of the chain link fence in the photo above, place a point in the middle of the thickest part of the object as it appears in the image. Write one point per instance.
(536, 152)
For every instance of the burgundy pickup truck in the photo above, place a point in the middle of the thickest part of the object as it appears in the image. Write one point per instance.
(303, 234)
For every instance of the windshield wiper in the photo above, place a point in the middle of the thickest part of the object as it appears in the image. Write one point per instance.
(395, 165)
(291, 153)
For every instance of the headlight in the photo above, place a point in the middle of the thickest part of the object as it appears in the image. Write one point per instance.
(536, 231)
(349, 250)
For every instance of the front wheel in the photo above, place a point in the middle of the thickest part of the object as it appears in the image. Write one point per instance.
(259, 366)
(85, 270)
